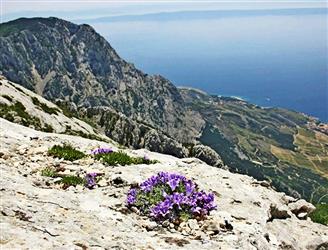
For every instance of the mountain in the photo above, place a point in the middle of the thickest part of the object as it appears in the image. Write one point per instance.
(206, 14)
(22, 106)
(75, 67)
(37, 212)
(61, 60)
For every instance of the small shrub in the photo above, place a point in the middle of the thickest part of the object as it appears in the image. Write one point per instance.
(121, 158)
(48, 128)
(66, 111)
(44, 106)
(36, 101)
(320, 215)
(172, 197)
(66, 152)
(49, 172)
(115, 158)
(70, 131)
(72, 180)
(144, 160)
(19, 89)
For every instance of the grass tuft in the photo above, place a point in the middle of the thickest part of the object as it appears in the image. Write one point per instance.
(72, 180)
(320, 215)
(49, 172)
(121, 158)
(67, 152)
(66, 180)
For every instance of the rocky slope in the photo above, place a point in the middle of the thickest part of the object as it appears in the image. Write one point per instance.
(37, 213)
(72, 63)
(23, 106)
(20, 105)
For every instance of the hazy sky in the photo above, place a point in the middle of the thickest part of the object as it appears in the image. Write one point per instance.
(82, 9)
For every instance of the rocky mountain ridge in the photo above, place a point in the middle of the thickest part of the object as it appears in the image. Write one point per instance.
(22, 106)
(61, 60)
(38, 213)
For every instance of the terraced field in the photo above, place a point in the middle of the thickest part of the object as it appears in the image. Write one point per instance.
(311, 151)
(267, 143)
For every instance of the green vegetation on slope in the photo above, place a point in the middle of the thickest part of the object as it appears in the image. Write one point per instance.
(266, 143)
(17, 112)
(66, 180)
(311, 152)
(121, 158)
(9, 112)
(320, 215)
(67, 152)
(18, 25)
(44, 106)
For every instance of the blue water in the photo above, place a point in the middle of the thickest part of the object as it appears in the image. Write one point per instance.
(270, 60)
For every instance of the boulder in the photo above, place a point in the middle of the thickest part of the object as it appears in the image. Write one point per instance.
(208, 155)
(301, 208)
(280, 212)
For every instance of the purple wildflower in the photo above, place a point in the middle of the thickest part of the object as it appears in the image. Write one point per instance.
(101, 151)
(90, 179)
(132, 196)
(190, 187)
(173, 183)
(167, 195)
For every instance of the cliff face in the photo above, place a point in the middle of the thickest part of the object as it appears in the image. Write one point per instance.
(61, 60)
(36, 212)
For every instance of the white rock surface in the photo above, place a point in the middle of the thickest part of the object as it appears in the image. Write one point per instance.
(59, 122)
(37, 214)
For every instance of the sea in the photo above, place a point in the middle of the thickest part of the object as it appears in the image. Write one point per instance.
(274, 59)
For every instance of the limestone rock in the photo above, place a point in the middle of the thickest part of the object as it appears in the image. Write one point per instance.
(300, 207)
(37, 213)
(193, 224)
(207, 155)
(281, 212)
(149, 225)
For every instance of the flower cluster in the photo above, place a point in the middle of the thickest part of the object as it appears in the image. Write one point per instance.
(90, 180)
(101, 151)
(132, 196)
(198, 205)
(169, 196)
